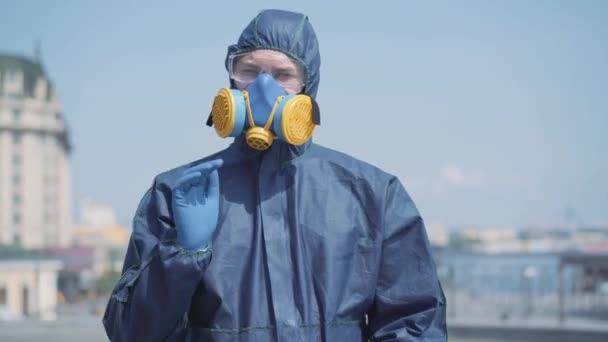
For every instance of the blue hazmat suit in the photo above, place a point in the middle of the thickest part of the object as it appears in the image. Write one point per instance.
(311, 244)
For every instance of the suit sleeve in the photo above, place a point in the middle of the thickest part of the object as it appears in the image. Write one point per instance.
(409, 303)
(151, 300)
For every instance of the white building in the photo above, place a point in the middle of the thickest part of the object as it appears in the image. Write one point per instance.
(98, 228)
(28, 287)
(95, 215)
(35, 175)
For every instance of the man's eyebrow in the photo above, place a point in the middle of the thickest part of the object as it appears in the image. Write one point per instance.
(247, 63)
(286, 69)
(283, 67)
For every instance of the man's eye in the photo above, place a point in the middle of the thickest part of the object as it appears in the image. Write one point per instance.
(284, 76)
(249, 72)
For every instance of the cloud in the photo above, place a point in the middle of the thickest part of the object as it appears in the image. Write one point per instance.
(448, 178)
(453, 176)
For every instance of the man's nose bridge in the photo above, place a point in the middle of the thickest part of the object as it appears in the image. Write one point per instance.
(266, 77)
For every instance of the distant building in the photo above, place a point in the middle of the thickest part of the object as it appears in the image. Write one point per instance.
(592, 239)
(78, 274)
(94, 214)
(438, 234)
(529, 240)
(99, 247)
(28, 285)
(109, 244)
(98, 228)
(35, 175)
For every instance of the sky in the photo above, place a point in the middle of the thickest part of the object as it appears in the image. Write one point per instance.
(491, 113)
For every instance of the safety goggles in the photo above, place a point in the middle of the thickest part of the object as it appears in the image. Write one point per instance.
(245, 70)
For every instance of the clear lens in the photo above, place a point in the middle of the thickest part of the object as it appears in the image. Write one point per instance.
(246, 70)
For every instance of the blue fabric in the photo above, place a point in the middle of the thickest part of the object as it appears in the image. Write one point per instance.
(309, 242)
(263, 93)
(240, 115)
(196, 204)
(287, 32)
(277, 122)
(311, 245)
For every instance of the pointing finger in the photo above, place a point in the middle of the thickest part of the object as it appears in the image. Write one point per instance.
(205, 168)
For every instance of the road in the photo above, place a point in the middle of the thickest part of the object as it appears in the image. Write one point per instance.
(88, 327)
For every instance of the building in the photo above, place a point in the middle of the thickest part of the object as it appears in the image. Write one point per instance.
(28, 285)
(94, 214)
(438, 234)
(97, 254)
(35, 175)
(98, 228)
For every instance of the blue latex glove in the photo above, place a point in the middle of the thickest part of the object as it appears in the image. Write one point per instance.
(196, 205)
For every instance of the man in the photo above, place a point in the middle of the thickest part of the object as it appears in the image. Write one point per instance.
(276, 241)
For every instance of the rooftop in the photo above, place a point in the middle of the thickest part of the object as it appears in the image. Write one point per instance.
(32, 70)
(13, 252)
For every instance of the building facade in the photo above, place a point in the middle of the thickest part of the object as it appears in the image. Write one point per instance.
(28, 287)
(35, 172)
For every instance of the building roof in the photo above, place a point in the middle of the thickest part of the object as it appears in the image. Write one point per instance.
(74, 259)
(585, 258)
(32, 70)
(12, 252)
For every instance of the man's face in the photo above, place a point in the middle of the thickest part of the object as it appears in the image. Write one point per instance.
(245, 68)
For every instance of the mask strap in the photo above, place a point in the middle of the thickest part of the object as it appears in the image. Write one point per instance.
(316, 112)
(249, 113)
(210, 118)
(274, 109)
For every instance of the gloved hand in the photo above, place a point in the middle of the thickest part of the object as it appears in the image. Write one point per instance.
(196, 204)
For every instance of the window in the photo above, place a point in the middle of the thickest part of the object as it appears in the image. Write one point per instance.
(48, 218)
(2, 295)
(16, 137)
(16, 160)
(11, 76)
(16, 180)
(16, 199)
(26, 301)
(16, 115)
(16, 218)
